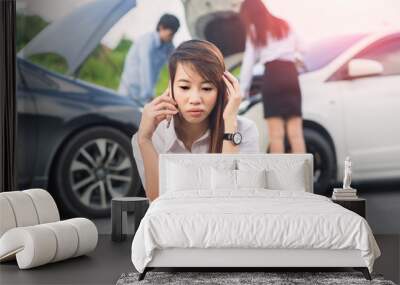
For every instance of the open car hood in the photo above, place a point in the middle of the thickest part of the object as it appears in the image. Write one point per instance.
(76, 35)
(219, 23)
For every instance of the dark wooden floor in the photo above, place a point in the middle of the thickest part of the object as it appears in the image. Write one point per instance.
(110, 260)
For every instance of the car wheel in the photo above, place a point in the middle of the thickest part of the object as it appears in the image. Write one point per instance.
(95, 166)
(324, 160)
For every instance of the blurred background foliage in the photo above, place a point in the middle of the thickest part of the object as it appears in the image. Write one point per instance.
(103, 67)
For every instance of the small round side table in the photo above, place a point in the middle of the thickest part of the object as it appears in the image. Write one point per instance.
(137, 205)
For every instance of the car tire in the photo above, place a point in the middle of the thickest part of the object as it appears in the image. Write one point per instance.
(94, 166)
(324, 160)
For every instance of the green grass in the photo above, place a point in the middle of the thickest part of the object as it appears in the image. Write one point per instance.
(51, 61)
(27, 28)
(162, 83)
(236, 71)
(104, 67)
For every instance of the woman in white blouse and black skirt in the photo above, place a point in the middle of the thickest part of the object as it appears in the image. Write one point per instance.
(271, 41)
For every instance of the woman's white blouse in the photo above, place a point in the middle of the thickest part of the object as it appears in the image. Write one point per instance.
(287, 49)
(166, 141)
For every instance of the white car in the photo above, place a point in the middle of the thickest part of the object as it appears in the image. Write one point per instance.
(350, 89)
(351, 107)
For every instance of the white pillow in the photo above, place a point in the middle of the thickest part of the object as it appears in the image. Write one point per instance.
(293, 179)
(281, 174)
(251, 178)
(227, 179)
(223, 179)
(183, 177)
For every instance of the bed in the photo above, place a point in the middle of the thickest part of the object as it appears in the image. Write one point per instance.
(247, 210)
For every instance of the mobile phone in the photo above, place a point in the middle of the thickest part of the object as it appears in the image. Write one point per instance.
(169, 117)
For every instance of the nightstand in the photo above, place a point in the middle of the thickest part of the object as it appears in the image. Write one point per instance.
(358, 205)
(137, 205)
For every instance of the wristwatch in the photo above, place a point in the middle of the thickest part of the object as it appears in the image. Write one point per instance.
(235, 138)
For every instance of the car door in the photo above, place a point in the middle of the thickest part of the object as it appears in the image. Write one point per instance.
(372, 111)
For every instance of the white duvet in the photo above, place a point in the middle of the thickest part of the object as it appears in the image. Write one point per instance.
(253, 218)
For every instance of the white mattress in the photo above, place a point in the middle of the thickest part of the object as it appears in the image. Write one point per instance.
(252, 218)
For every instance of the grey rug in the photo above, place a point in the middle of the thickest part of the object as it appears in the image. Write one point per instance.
(229, 278)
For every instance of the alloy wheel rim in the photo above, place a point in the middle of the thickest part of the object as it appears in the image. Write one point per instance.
(100, 170)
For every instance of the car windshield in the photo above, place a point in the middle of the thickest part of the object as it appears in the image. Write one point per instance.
(323, 52)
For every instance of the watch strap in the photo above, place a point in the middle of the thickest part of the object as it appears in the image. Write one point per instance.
(228, 136)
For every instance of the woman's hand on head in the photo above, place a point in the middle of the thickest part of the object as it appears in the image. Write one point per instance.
(234, 96)
(154, 112)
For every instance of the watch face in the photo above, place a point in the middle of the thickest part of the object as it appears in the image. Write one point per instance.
(237, 138)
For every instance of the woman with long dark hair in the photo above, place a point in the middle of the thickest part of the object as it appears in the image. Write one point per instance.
(196, 114)
(272, 41)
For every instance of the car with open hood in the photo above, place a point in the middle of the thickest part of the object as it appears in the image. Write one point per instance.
(350, 94)
(73, 136)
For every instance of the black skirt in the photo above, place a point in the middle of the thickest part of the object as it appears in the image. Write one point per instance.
(281, 90)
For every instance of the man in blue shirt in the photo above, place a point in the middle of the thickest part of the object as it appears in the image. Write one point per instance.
(145, 59)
